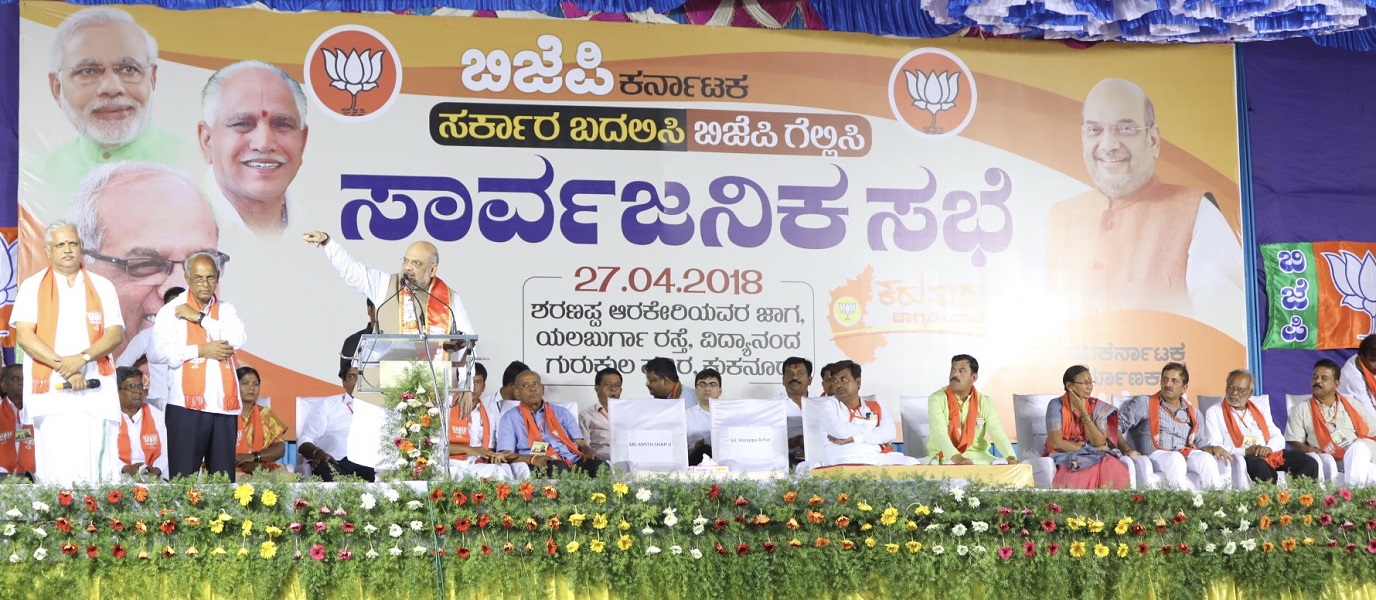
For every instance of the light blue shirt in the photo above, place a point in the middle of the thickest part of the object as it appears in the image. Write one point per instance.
(512, 435)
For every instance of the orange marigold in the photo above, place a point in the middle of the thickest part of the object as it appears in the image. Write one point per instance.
(1263, 500)
(1267, 546)
(1265, 523)
(822, 542)
(1288, 544)
(1306, 500)
(1285, 520)
(1283, 496)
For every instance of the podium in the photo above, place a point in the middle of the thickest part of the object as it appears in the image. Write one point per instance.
(383, 361)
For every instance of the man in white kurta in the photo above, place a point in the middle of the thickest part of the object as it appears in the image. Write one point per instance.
(857, 432)
(67, 321)
(196, 336)
(1358, 375)
(324, 435)
(1240, 432)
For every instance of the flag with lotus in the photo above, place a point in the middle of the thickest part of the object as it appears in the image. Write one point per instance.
(1322, 295)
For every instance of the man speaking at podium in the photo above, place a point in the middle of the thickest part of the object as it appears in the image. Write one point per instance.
(406, 297)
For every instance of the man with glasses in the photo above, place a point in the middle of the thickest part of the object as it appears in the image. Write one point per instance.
(16, 438)
(1237, 428)
(102, 73)
(195, 337)
(1145, 243)
(139, 222)
(407, 301)
(699, 416)
(142, 443)
(1166, 429)
(67, 321)
(594, 420)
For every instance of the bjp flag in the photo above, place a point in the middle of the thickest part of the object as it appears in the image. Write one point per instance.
(1322, 294)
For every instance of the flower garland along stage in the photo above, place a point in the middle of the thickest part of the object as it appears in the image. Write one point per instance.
(794, 537)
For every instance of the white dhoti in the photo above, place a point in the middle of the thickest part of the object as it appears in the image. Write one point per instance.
(1175, 468)
(1357, 462)
(72, 448)
(467, 468)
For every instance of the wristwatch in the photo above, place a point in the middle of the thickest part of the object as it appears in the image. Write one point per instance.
(86, 357)
(257, 457)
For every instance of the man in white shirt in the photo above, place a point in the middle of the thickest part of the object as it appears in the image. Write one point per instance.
(707, 384)
(593, 419)
(1329, 423)
(142, 443)
(137, 348)
(65, 319)
(1358, 382)
(195, 338)
(324, 437)
(406, 298)
(797, 378)
(1238, 428)
(856, 430)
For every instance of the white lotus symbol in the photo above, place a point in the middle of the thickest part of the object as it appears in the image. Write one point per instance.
(1355, 278)
(933, 92)
(9, 284)
(353, 72)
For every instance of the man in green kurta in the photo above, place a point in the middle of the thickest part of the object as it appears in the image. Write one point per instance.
(963, 422)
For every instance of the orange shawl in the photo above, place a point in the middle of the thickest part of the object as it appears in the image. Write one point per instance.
(458, 428)
(47, 326)
(193, 373)
(148, 439)
(1325, 437)
(1154, 421)
(436, 309)
(1072, 431)
(1275, 459)
(9, 444)
(962, 437)
(556, 429)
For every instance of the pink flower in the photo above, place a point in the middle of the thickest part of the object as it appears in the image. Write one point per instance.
(1325, 519)
(1027, 512)
(1005, 511)
(1370, 524)
(320, 526)
(1048, 525)
(1347, 525)
(1005, 553)
(1371, 546)
(1371, 502)
(295, 527)
(1055, 508)
(345, 554)
(1004, 527)
(318, 552)
(1024, 533)
(339, 512)
(1350, 547)
(347, 526)
(1053, 548)
(1029, 549)
(325, 510)
(1329, 501)
(1345, 493)
(299, 504)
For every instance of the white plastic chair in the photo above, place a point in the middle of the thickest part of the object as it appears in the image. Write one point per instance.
(751, 418)
(653, 422)
(917, 426)
(1030, 412)
(1328, 466)
(813, 436)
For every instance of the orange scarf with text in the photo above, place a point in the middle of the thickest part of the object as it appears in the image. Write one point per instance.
(962, 436)
(9, 444)
(556, 429)
(1325, 437)
(1275, 459)
(436, 310)
(194, 370)
(148, 439)
(459, 429)
(47, 326)
(1154, 421)
(878, 418)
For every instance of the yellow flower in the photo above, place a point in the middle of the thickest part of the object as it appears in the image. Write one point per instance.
(192, 551)
(863, 506)
(889, 516)
(891, 548)
(620, 488)
(1309, 541)
(244, 493)
(247, 528)
(273, 531)
(869, 542)
(267, 550)
(913, 546)
(218, 552)
(599, 497)
(625, 542)
(268, 498)
(1308, 519)
(1077, 549)
(623, 525)
(911, 525)
(866, 527)
(597, 545)
(571, 547)
(599, 521)
(1095, 526)
(576, 519)
(242, 553)
(1100, 550)
(1121, 528)
(144, 553)
(1075, 522)
(922, 510)
(217, 526)
(1122, 550)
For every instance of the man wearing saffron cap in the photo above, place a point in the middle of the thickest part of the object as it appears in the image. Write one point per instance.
(964, 421)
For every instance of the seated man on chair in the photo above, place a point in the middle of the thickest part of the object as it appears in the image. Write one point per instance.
(856, 430)
(543, 435)
(1357, 380)
(325, 434)
(1329, 423)
(968, 419)
(1238, 427)
(1164, 427)
(472, 421)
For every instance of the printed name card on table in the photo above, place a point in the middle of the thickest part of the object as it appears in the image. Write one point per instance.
(652, 434)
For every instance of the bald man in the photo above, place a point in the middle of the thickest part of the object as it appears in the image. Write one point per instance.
(406, 298)
(1143, 243)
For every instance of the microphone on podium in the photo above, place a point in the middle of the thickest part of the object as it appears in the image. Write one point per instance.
(91, 384)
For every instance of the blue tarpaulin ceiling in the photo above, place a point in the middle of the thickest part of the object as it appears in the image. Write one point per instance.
(1336, 23)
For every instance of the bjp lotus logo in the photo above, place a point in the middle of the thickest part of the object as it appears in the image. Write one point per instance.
(353, 72)
(1355, 278)
(932, 92)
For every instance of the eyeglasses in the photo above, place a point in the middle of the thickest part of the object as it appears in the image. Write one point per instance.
(1239, 388)
(128, 71)
(145, 267)
(1090, 382)
(709, 384)
(1091, 131)
(136, 388)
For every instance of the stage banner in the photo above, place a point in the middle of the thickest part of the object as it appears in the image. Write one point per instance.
(600, 193)
(1323, 294)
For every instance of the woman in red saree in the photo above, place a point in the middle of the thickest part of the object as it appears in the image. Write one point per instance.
(1082, 436)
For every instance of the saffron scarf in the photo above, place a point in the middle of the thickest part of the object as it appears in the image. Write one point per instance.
(47, 326)
(1368, 377)
(148, 439)
(194, 370)
(1154, 421)
(459, 429)
(9, 444)
(1275, 459)
(437, 316)
(556, 429)
(1072, 431)
(878, 418)
(962, 437)
(1325, 437)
